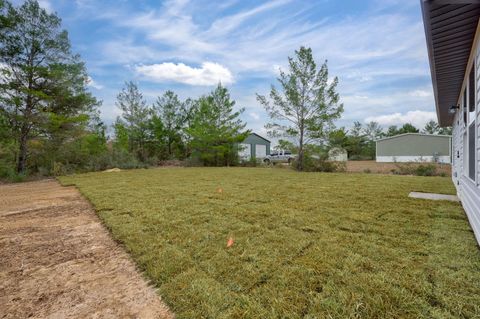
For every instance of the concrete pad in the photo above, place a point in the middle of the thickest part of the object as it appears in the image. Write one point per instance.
(432, 196)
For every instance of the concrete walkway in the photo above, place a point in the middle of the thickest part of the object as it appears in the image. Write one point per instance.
(433, 196)
(58, 261)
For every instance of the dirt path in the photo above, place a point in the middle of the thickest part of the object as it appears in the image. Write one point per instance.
(58, 261)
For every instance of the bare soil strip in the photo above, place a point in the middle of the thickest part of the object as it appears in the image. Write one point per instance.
(58, 261)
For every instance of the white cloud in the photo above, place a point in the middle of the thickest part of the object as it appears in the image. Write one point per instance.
(226, 24)
(93, 84)
(125, 51)
(420, 93)
(381, 70)
(417, 118)
(46, 5)
(254, 115)
(208, 74)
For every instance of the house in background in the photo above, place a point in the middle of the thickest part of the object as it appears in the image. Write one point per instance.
(415, 147)
(254, 146)
(453, 39)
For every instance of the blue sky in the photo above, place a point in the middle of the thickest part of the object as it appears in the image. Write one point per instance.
(376, 48)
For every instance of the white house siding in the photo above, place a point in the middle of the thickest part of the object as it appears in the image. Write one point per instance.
(420, 159)
(468, 190)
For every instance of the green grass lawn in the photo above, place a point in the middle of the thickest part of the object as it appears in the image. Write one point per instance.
(306, 245)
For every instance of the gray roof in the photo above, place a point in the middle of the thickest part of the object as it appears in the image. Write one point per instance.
(420, 134)
(263, 138)
(450, 27)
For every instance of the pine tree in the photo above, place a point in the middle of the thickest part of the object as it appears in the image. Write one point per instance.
(42, 82)
(133, 127)
(308, 104)
(169, 109)
(216, 129)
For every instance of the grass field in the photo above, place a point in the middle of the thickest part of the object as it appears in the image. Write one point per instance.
(306, 245)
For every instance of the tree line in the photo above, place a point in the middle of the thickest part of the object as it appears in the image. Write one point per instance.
(206, 130)
(50, 124)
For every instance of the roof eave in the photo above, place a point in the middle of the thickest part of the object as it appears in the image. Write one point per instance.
(425, 4)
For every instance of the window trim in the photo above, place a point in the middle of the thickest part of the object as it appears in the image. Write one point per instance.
(468, 123)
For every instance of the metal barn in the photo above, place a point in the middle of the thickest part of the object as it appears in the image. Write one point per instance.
(415, 147)
(254, 146)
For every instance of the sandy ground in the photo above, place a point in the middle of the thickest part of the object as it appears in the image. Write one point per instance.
(58, 261)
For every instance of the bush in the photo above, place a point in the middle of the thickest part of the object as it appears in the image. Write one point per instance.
(360, 158)
(252, 162)
(11, 176)
(59, 169)
(426, 170)
(415, 169)
(319, 163)
(404, 169)
(367, 170)
(173, 162)
(193, 161)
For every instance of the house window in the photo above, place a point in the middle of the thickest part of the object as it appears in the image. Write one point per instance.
(471, 151)
(471, 97)
(471, 125)
(471, 91)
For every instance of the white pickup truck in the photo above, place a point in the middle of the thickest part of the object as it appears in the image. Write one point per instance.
(279, 157)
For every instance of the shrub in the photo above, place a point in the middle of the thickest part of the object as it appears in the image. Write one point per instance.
(360, 158)
(59, 169)
(193, 161)
(426, 170)
(415, 169)
(404, 169)
(173, 162)
(367, 170)
(319, 163)
(12, 177)
(252, 162)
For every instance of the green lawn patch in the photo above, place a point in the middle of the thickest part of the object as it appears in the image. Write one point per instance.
(306, 245)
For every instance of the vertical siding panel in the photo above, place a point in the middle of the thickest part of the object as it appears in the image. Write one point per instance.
(477, 110)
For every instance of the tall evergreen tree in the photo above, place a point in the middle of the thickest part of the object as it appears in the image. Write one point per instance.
(408, 128)
(357, 129)
(432, 127)
(392, 130)
(216, 129)
(133, 127)
(169, 109)
(308, 104)
(41, 79)
(373, 131)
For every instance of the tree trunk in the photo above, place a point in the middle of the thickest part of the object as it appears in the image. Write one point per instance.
(300, 152)
(23, 150)
(169, 147)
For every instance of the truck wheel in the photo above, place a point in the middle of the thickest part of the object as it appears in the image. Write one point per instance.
(289, 161)
(266, 161)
